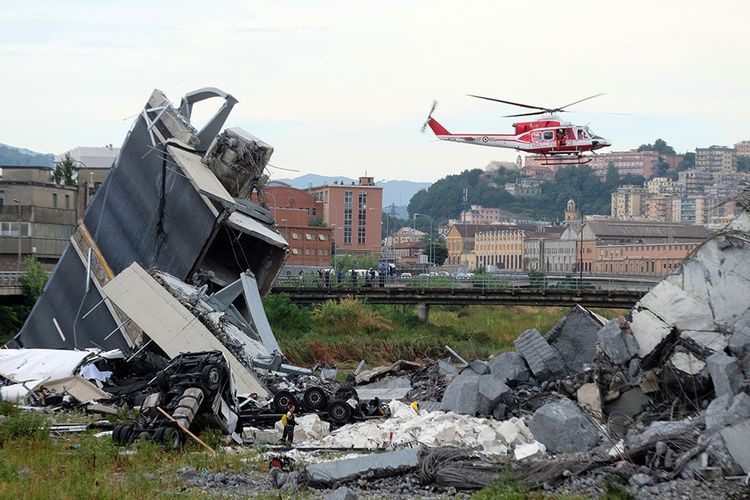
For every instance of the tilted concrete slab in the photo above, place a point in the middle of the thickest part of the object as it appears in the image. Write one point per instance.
(169, 324)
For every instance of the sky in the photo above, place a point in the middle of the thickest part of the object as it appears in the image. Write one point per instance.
(343, 88)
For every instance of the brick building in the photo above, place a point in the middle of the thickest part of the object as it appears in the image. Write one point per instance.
(355, 212)
(298, 218)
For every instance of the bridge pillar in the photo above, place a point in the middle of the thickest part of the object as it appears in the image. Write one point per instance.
(423, 312)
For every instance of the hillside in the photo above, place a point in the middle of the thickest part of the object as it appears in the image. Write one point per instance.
(443, 199)
(10, 155)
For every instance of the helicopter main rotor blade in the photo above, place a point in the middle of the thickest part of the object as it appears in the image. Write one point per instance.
(509, 102)
(527, 114)
(572, 103)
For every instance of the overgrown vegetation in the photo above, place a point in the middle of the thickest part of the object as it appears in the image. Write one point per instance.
(351, 330)
(12, 317)
(33, 465)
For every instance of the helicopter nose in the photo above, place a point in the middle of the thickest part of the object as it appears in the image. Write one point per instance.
(599, 142)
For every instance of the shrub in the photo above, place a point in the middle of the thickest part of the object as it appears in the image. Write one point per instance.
(24, 424)
(350, 316)
(286, 317)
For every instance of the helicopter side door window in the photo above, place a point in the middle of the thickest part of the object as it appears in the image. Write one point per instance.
(536, 137)
(548, 136)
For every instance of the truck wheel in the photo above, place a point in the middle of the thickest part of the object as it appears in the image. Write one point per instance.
(339, 412)
(315, 399)
(116, 434)
(158, 435)
(171, 438)
(126, 433)
(162, 382)
(282, 400)
(211, 377)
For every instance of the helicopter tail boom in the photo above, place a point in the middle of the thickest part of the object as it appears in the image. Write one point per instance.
(436, 127)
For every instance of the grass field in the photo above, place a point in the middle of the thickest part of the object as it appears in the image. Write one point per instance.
(350, 331)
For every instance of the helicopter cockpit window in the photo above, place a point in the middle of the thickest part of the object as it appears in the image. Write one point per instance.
(548, 136)
(582, 134)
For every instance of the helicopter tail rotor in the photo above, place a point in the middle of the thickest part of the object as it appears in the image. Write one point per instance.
(429, 116)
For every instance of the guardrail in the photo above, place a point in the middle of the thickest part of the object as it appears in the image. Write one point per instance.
(10, 278)
(483, 282)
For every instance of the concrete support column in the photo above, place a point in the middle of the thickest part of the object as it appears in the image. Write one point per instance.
(423, 312)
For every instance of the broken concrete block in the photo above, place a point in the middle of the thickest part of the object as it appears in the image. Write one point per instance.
(719, 455)
(631, 403)
(510, 368)
(527, 450)
(739, 342)
(574, 338)
(618, 345)
(499, 412)
(544, 361)
(462, 395)
(725, 373)
(640, 479)
(686, 362)
(491, 392)
(659, 428)
(446, 368)
(675, 307)
(737, 440)
(341, 493)
(715, 413)
(562, 427)
(713, 341)
(372, 465)
(649, 331)
(590, 399)
(479, 367)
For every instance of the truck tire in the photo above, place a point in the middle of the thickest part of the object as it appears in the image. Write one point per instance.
(171, 438)
(211, 377)
(346, 393)
(315, 399)
(162, 381)
(282, 400)
(339, 412)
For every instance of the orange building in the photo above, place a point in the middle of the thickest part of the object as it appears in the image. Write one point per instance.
(299, 219)
(355, 212)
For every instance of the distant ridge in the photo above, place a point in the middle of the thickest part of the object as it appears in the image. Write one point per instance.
(20, 157)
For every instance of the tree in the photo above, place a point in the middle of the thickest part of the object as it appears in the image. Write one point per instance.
(65, 172)
(33, 280)
(662, 168)
(317, 221)
(439, 252)
(613, 176)
(633, 180)
(660, 146)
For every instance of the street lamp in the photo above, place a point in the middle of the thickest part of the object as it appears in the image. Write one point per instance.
(429, 252)
(18, 218)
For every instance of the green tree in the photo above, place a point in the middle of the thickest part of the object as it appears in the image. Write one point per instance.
(537, 279)
(65, 172)
(439, 252)
(317, 221)
(33, 280)
(613, 176)
(633, 180)
(660, 146)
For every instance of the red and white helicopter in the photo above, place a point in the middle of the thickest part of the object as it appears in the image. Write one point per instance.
(547, 136)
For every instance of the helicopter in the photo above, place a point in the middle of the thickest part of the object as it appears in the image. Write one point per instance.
(559, 142)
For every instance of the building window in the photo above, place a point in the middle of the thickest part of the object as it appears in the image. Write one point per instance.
(348, 217)
(295, 251)
(323, 237)
(362, 220)
(295, 236)
(54, 200)
(2, 198)
(309, 237)
(67, 201)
